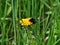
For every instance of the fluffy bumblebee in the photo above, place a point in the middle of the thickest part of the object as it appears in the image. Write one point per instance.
(27, 21)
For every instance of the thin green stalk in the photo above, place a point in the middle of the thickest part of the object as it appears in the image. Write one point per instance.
(14, 11)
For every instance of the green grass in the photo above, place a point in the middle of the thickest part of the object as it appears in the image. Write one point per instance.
(46, 31)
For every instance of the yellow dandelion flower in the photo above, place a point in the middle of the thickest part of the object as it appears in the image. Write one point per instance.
(27, 21)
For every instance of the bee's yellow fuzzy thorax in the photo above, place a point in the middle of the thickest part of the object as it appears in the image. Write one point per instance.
(25, 22)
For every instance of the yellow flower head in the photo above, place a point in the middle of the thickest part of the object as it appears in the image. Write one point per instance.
(27, 21)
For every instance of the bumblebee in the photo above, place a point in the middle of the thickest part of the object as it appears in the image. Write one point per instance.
(27, 21)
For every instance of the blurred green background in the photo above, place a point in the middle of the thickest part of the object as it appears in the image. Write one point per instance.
(45, 32)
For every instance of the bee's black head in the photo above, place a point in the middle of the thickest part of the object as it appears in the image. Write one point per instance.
(33, 20)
